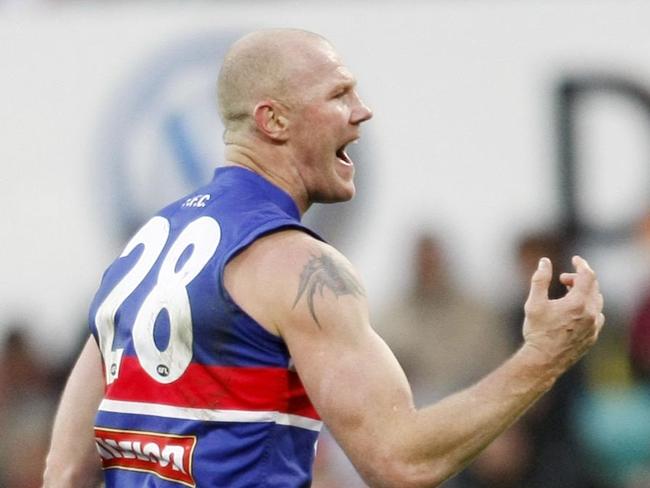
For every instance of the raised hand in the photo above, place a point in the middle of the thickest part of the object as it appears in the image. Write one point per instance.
(563, 330)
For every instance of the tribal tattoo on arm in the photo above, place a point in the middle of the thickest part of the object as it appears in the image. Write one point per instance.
(324, 272)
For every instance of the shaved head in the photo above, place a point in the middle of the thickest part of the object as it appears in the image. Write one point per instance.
(290, 108)
(263, 65)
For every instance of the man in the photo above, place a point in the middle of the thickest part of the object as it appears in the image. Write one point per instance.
(217, 299)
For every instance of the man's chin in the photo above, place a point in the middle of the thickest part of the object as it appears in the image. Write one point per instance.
(342, 194)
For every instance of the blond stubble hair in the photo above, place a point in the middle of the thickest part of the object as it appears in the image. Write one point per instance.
(259, 66)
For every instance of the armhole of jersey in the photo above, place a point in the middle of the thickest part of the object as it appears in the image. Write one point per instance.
(265, 230)
(92, 327)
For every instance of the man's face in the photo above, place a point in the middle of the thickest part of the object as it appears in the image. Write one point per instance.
(325, 120)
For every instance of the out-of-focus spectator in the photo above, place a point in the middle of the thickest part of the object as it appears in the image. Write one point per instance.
(613, 426)
(25, 439)
(530, 248)
(27, 400)
(612, 420)
(505, 463)
(444, 339)
(21, 374)
(639, 342)
(539, 448)
(639, 339)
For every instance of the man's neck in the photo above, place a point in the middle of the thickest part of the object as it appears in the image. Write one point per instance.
(270, 164)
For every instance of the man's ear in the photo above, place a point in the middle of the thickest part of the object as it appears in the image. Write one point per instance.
(271, 121)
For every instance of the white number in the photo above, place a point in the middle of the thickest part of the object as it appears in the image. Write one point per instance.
(169, 293)
(153, 237)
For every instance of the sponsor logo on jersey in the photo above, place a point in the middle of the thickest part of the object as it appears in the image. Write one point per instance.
(166, 456)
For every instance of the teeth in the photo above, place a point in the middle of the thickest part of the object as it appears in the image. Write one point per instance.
(343, 157)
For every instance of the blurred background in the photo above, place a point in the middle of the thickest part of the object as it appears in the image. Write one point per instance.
(503, 131)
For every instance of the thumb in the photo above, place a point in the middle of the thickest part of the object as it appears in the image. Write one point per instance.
(541, 280)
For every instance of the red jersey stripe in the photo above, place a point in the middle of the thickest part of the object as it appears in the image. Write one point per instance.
(216, 388)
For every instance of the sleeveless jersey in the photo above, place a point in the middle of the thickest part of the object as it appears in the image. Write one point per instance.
(198, 393)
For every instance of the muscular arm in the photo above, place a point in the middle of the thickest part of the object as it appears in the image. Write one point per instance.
(73, 459)
(309, 294)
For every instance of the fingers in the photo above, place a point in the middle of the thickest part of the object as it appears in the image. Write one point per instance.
(599, 302)
(568, 279)
(585, 278)
(584, 282)
(541, 280)
(600, 321)
(598, 326)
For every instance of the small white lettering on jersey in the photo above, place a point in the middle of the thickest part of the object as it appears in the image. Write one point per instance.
(197, 201)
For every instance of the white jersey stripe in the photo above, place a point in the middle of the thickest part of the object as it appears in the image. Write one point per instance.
(205, 414)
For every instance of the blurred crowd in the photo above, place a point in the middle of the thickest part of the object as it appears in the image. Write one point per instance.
(592, 430)
(29, 391)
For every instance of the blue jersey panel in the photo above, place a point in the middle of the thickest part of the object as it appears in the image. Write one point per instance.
(198, 393)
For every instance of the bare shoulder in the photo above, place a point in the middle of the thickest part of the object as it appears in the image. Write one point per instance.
(290, 276)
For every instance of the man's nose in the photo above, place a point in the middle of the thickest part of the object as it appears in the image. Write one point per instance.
(361, 112)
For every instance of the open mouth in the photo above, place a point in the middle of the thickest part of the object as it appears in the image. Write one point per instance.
(343, 156)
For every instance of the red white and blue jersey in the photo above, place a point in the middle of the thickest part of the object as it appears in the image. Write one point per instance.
(197, 392)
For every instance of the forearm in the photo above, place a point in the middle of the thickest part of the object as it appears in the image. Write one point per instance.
(393, 444)
(441, 439)
(72, 459)
(81, 472)
(445, 436)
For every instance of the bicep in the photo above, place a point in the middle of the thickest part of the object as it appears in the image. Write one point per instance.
(350, 374)
(353, 379)
(309, 294)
